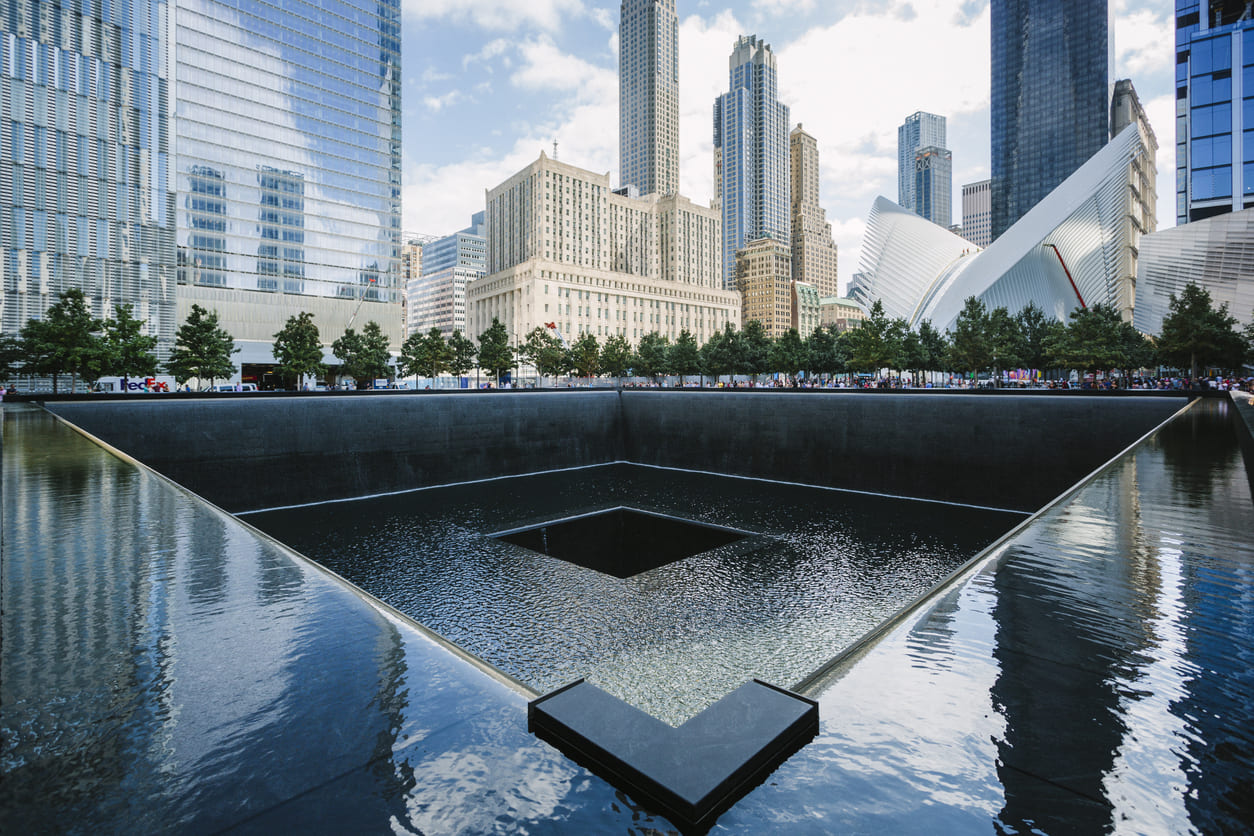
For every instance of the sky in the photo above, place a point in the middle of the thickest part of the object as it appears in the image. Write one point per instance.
(489, 84)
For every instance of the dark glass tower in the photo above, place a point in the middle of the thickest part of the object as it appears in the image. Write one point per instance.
(1050, 98)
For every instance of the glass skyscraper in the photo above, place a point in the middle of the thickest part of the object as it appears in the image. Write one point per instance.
(1215, 109)
(288, 161)
(1050, 108)
(85, 197)
(648, 96)
(919, 130)
(751, 154)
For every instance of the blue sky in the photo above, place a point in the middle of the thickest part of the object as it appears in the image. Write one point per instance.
(488, 84)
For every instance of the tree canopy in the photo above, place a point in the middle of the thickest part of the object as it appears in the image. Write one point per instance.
(66, 341)
(298, 349)
(1196, 334)
(202, 349)
(364, 357)
(496, 356)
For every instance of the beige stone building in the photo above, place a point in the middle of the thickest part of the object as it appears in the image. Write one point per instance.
(1142, 192)
(843, 313)
(564, 248)
(813, 250)
(764, 278)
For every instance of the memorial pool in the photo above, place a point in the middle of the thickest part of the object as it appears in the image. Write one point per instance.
(819, 568)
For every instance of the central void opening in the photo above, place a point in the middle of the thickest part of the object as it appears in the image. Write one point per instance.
(622, 542)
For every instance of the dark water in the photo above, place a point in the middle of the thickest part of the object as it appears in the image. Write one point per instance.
(822, 569)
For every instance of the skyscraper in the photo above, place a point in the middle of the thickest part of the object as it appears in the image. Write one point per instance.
(1214, 54)
(933, 184)
(977, 212)
(1050, 108)
(751, 153)
(85, 195)
(648, 96)
(288, 165)
(813, 251)
(919, 130)
(437, 298)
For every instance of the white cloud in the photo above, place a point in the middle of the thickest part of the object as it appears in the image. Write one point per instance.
(497, 14)
(544, 67)
(438, 103)
(431, 75)
(491, 49)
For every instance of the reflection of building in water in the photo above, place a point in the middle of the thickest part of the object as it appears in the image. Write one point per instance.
(287, 167)
(281, 253)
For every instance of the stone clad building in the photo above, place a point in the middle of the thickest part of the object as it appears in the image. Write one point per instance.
(563, 247)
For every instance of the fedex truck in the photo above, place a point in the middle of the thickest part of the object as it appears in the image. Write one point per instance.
(136, 385)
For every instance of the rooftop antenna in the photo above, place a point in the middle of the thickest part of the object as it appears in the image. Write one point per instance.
(555, 149)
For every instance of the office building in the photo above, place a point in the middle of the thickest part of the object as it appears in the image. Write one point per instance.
(1050, 105)
(86, 200)
(764, 279)
(287, 167)
(1126, 113)
(1214, 108)
(1071, 250)
(751, 154)
(1216, 253)
(437, 298)
(648, 96)
(933, 189)
(977, 213)
(564, 248)
(807, 308)
(813, 250)
(840, 313)
(919, 130)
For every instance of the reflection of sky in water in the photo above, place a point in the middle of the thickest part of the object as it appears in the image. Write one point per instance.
(826, 567)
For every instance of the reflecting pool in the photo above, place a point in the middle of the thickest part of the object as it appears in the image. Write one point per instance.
(819, 569)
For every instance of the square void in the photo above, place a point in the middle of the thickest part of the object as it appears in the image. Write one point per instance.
(622, 541)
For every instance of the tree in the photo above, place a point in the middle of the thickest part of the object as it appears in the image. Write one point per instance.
(425, 354)
(585, 355)
(755, 349)
(1005, 340)
(65, 341)
(616, 356)
(718, 355)
(1137, 351)
(127, 352)
(869, 342)
(202, 349)
(968, 344)
(826, 351)
(495, 354)
(933, 348)
(651, 355)
(788, 353)
(10, 356)
(1035, 328)
(546, 352)
(684, 357)
(365, 356)
(298, 348)
(1092, 341)
(463, 354)
(1195, 334)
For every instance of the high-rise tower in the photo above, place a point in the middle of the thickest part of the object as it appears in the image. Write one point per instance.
(1214, 58)
(751, 153)
(813, 251)
(288, 166)
(85, 192)
(648, 96)
(1050, 108)
(919, 130)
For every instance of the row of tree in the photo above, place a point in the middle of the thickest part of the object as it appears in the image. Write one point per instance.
(1195, 334)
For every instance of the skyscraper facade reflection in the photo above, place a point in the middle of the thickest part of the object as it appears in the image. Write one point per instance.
(288, 161)
(1050, 107)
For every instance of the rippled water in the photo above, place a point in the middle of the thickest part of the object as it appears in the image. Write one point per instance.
(822, 569)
